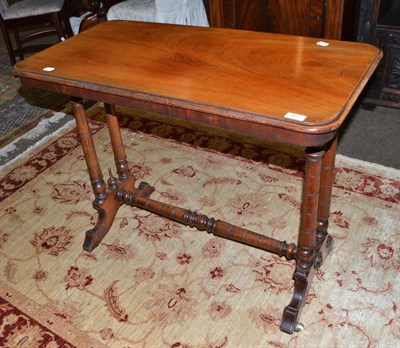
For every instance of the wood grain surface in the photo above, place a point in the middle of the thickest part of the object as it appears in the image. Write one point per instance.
(254, 76)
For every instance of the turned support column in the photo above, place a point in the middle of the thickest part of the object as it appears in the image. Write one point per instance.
(308, 222)
(117, 145)
(89, 151)
(327, 179)
(307, 240)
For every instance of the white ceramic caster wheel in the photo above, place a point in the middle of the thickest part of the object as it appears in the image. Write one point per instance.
(299, 327)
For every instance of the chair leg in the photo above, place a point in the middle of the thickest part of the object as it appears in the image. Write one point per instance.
(60, 21)
(63, 18)
(18, 44)
(67, 24)
(57, 24)
(9, 46)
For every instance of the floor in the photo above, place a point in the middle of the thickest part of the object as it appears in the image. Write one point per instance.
(372, 135)
(368, 135)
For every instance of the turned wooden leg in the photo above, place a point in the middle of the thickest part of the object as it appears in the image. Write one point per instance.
(117, 144)
(89, 151)
(324, 241)
(106, 202)
(327, 177)
(304, 272)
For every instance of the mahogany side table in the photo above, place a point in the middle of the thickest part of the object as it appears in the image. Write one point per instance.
(295, 90)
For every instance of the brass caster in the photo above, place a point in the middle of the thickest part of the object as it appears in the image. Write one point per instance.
(299, 327)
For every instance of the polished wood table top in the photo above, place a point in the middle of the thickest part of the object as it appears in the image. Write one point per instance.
(259, 77)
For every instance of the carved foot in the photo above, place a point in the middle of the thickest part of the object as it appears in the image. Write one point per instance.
(291, 313)
(108, 208)
(302, 281)
(106, 215)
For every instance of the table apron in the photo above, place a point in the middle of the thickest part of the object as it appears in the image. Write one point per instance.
(246, 127)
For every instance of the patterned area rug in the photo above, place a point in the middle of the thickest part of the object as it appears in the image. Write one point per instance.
(155, 283)
(22, 108)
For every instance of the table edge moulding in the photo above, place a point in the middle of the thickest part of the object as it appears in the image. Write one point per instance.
(291, 89)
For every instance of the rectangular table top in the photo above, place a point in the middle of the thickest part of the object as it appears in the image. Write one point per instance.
(290, 82)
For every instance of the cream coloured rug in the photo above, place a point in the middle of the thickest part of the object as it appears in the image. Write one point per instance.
(154, 283)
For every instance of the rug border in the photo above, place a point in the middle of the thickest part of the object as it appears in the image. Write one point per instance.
(68, 332)
(371, 166)
(41, 141)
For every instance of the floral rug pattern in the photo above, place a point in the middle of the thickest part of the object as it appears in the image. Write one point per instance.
(155, 283)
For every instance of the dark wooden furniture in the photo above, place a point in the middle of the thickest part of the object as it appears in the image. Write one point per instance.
(28, 28)
(267, 85)
(331, 19)
(98, 11)
(379, 24)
